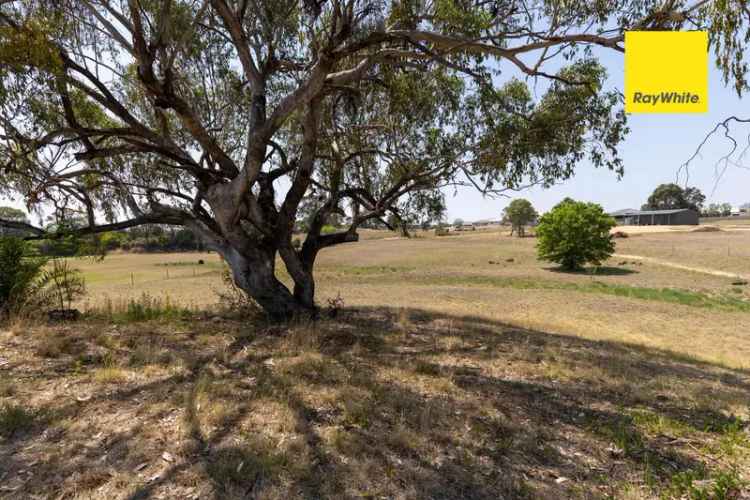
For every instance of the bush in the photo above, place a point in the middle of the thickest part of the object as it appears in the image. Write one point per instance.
(18, 273)
(575, 233)
(59, 285)
(14, 419)
(27, 283)
(113, 240)
(148, 308)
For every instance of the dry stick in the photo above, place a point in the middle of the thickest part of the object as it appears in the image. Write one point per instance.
(132, 280)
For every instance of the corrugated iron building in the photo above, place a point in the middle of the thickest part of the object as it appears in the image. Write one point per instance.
(676, 217)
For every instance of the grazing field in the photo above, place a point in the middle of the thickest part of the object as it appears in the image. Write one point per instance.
(727, 250)
(488, 274)
(459, 367)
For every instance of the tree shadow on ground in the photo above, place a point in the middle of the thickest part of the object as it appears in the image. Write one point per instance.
(384, 403)
(594, 271)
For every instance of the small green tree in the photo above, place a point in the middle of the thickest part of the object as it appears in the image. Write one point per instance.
(59, 285)
(29, 284)
(575, 233)
(458, 222)
(519, 213)
(18, 273)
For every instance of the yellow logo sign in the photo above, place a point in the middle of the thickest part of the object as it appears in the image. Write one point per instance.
(666, 71)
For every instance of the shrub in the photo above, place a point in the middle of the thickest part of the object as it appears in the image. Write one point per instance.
(113, 240)
(18, 272)
(575, 233)
(147, 308)
(15, 418)
(27, 283)
(59, 285)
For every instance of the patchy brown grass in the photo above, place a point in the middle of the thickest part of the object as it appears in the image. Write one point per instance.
(462, 367)
(382, 403)
(727, 251)
(488, 274)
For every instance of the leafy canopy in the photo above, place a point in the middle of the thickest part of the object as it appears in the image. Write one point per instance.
(575, 233)
(228, 116)
(673, 196)
(520, 212)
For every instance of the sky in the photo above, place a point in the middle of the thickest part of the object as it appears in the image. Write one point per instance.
(652, 154)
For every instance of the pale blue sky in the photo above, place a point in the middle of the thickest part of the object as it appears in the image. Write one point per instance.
(652, 153)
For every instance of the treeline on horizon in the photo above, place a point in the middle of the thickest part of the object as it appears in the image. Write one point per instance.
(145, 239)
(150, 238)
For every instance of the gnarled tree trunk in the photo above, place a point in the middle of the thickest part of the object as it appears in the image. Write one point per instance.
(254, 272)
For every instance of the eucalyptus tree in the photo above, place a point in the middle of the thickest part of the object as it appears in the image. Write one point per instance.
(519, 213)
(224, 115)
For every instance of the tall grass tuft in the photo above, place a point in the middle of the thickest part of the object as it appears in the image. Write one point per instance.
(144, 308)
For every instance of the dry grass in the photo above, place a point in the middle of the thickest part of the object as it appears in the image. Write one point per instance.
(487, 274)
(723, 251)
(461, 367)
(383, 403)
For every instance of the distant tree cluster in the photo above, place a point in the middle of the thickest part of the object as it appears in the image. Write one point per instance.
(153, 238)
(673, 196)
(717, 210)
(146, 238)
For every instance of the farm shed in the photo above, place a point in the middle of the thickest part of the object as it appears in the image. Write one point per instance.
(676, 217)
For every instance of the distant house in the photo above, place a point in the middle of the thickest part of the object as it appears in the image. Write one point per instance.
(675, 217)
(487, 222)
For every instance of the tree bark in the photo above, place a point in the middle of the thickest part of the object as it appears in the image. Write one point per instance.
(254, 272)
